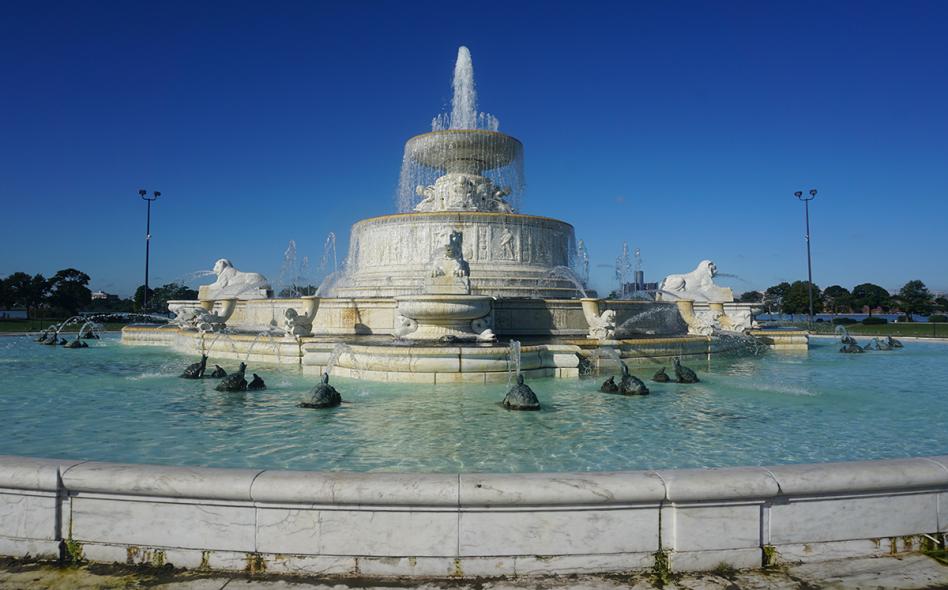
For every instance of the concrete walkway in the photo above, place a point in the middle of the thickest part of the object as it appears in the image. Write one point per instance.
(905, 571)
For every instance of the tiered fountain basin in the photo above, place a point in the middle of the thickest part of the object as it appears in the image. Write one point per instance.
(510, 255)
(471, 151)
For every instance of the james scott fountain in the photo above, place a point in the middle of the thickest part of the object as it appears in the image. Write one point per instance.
(398, 480)
(452, 277)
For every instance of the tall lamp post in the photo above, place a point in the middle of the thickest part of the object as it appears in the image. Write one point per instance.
(809, 265)
(144, 195)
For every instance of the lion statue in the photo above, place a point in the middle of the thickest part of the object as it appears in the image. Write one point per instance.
(452, 262)
(697, 285)
(234, 284)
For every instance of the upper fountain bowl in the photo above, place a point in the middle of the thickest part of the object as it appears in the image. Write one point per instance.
(470, 151)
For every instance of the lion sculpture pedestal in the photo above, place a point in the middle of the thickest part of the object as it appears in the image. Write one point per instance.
(234, 284)
(697, 285)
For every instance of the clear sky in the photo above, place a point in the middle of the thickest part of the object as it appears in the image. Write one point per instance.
(680, 127)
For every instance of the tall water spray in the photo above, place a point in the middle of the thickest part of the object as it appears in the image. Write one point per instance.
(582, 261)
(464, 113)
(623, 270)
(464, 103)
(499, 159)
(293, 273)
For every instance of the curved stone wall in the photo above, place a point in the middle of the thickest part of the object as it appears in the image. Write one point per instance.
(388, 524)
(510, 255)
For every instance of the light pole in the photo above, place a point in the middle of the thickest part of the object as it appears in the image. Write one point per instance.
(809, 265)
(144, 195)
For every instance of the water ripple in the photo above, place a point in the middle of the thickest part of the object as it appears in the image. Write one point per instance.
(121, 403)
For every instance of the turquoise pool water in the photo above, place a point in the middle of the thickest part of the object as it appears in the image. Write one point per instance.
(113, 402)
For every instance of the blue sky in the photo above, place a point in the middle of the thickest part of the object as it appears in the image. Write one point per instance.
(682, 128)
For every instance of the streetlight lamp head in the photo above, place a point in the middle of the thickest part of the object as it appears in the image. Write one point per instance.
(798, 194)
(812, 192)
(158, 194)
(142, 192)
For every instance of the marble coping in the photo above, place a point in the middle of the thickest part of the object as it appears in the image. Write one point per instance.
(476, 490)
(460, 216)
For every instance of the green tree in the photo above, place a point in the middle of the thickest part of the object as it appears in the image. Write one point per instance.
(914, 297)
(797, 299)
(139, 298)
(298, 291)
(26, 291)
(159, 298)
(941, 303)
(773, 297)
(6, 295)
(751, 297)
(837, 299)
(69, 291)
(871, 296)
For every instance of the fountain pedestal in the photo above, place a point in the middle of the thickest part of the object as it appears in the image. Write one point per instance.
(439, 315)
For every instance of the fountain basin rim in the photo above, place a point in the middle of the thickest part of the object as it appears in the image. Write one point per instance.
(445, 132)
(458, 214)
(462, 489)
(355, 345)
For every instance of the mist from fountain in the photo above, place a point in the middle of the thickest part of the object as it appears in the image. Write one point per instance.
(581, 262)
(294, 273)
(329, 253)
(656, 320)
(225, 333)
(274, 345)
(565, 273)
(102, 318)
(731, 276)
(338, 350)
(623, 270)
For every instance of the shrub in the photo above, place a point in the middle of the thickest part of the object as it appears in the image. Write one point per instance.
(873, 321)
(938, 318)
(844, 321)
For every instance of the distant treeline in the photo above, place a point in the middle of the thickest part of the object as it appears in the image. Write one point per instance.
(792, 298)
(67, 293)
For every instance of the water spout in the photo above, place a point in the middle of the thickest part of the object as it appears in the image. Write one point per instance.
(513, 358)
(464, 103)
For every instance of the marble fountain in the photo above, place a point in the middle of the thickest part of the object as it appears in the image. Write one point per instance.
(458, 288)
(435, 292)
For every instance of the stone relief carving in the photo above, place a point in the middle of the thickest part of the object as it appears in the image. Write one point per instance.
(206, 320)
(603, 326)
(184, 313)
(296, 324)
(458, 191)
(506, 244)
